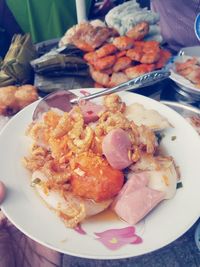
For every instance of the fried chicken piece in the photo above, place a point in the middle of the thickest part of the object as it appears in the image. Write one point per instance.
(106, 50)
(135, 71)
(139, 31)
(123, 42)
(105, 62)
(99, 77)
(164, 57)
(122, 63)
(135, 53)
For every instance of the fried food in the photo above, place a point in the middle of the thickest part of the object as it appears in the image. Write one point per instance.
(8, 103)
(135, 54)
(164, 57)
(125, 57)
(190, 69)
(106, 50)
(114, 103)
(117, 78)
(122, 63)
(77, 166)
(123, 42)
(151, 55)
(139, 31)
(105, 62)
(25, 95)
(86, 36)
(99, 77)
(120, 54)
(111, 120)
(135, 71)
(13, 98)
(90, 57)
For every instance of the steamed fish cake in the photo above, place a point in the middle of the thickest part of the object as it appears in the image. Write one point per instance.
(148, 117)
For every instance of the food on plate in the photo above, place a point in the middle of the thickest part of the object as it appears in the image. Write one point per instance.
(135, 71)
(139, 31)
(116, 146)
(125, 46)
(195, 122)
(99, 77)
(123, 42)
(121, 64)
(82, 164)
(124, 59)
(70, 208)
(88, 35)
(189, 69)
(138, 198)
(13, 98)
(148, 117)
(126, 16)
(95, 178)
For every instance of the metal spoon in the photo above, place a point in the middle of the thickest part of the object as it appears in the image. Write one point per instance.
(64, 100)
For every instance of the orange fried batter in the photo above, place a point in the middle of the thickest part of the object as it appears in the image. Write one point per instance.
(123, 42)
(106, 50)
(139, 31)
(120, 54)
(121, 64)
(135, 53)
(135, 71)
(95, 179)
(105, 62)
(90, 57)
(51, 118)
(164, 57)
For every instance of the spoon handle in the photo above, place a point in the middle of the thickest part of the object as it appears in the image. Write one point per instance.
(141, 81)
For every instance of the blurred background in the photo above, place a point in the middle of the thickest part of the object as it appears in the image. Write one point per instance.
(46, 19)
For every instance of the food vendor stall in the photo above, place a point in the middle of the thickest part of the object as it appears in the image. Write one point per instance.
(165, 237)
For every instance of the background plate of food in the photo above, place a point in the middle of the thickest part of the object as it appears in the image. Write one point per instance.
(185, 72)
(52, 193)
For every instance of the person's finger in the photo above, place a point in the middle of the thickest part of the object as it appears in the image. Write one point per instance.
(2, 191)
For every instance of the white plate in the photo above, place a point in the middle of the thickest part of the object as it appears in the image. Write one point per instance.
(182, 82)
(167, 222)
(192, 51)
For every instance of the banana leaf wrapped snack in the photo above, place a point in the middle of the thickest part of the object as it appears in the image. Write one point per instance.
(16, 68)
(65, 61)
(50, 84)
(61, 68)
